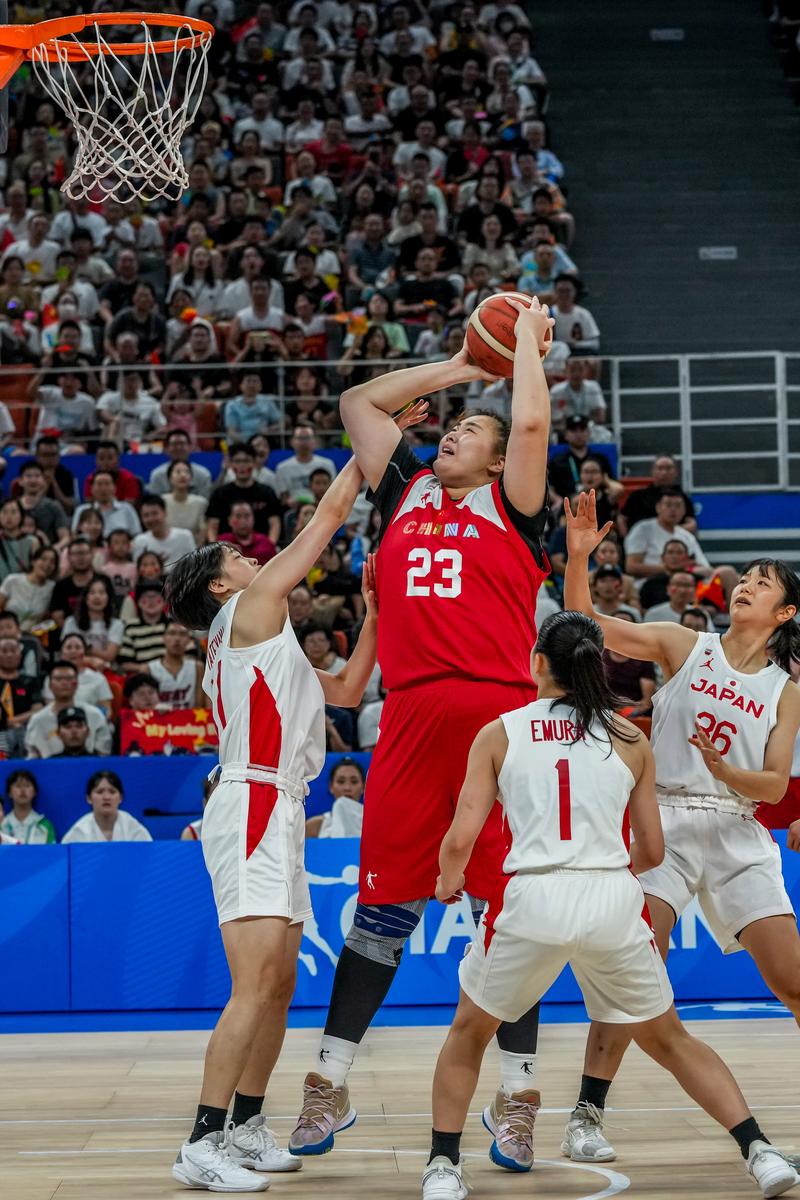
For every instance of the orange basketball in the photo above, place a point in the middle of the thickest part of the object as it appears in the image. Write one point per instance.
(491, 340)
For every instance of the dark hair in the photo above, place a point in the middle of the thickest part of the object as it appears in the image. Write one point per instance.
(186, 589)
(153, 499)
(138, 680)
(314, 627)
(572, 643)
(61, 664)
(240, 448)
(30, 466)
(46, 440)
(99, 776)
(670, 491)
(502, 426)
(347, 761)
(784, 644)
(8, 615)
(694, 612)
(29, 777)
(82, 618)
(75, 634)
(320, 471)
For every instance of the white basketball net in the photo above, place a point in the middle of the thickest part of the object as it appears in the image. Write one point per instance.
(128, 119)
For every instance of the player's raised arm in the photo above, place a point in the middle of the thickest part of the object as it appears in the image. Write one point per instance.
(657, 641)
(525, 470)
(347, 688)
(478, 794)
(283, 572)
(367, 409)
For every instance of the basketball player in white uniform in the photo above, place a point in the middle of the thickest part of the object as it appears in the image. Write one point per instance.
(724, 727)
(568, 775)
(269, 708)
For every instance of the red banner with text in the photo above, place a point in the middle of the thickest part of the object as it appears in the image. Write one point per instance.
(182, 731)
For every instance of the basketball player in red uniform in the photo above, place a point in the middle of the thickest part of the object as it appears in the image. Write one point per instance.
(458, 570)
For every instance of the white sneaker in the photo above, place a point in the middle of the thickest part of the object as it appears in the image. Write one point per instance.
(206, 1164)
(583, 1136)
(441, 1180)
(773, 1174)
(253, 1145)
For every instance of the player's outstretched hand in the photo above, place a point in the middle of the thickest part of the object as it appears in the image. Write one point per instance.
(447, 894)
(793, 836)
(412, 414)
(711, 755)
(467, 369)
(534, 321)
(368, 588)
(583, 536)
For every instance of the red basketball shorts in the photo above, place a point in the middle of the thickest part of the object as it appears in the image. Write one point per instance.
(414, 781)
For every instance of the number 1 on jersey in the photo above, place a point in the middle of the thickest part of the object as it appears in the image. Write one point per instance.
(564, 800)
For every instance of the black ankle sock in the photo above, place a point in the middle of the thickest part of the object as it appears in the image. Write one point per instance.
(359, 989)
(446, 1144)
(594, 1090)
(521, 1036)
(245, 1107)
(208, 1120)
(747, 1132)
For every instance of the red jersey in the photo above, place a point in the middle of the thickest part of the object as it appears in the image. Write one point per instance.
(456, 579)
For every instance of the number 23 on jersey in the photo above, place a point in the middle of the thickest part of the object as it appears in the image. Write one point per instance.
(437, 574)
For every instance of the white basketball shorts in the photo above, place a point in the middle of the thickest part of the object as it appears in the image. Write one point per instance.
(728, 860)
(592, 920)
(253, 837)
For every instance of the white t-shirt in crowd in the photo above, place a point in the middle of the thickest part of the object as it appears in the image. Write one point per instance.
(93, 689)
(42, 738)
(577, 327)
(28, 601)
(345, 819)
(293, 476)
(138, 417)
(177, 543)
(665, 612)
(649, 538)
(126, 829)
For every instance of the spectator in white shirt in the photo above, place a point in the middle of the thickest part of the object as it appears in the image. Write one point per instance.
(306, 174)
(37, 251)
(84, 293)
(14, 220)
(421, 38)
(116, 514)
(106, 822)
(77, 214)
(42, 739)
(645, 543)
(93, 688)
(269, 129)
(367, 124)
(307, 128)
(294, 474)
(425, 144)
(170, 544)
(681, 590)
(577, 394)
(129, 414)
(346, 815)
(66, 408)
(574, 325)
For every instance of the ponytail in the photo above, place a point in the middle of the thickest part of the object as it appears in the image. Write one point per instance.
(573, 646)
(783, 646)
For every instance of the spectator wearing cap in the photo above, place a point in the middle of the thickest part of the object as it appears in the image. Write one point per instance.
(22, 823)
(73, 729)
(243, 536)
(565, 465)
(42, 737)
(143, 641)
(577, 395)
(170, 544)
(106, 822)
(681, 591)
(573, 324)
(177, 447)
(641, 503)
(607, 593)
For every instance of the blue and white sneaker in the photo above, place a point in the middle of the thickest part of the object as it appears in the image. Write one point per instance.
(511, 1120)
(326, 1111)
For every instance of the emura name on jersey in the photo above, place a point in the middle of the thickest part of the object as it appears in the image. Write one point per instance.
(728, 696)
(441, 529)
(555, 731)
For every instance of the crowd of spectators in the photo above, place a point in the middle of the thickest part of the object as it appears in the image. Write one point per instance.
(361, 176)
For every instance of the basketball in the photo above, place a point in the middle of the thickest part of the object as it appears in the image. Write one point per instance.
(491, 340)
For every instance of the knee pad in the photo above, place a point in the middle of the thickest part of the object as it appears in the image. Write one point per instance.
(380, 931)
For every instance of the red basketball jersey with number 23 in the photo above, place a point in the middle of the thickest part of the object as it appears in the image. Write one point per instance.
(457, 586)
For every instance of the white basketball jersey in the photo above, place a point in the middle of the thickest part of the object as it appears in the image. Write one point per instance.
(267, 701)
(565, 797)
(175, 690)
(737, 712)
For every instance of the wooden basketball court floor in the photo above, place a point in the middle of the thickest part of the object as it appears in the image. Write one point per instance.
(99, 1116)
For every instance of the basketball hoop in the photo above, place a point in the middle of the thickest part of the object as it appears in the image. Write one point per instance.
(129, 119)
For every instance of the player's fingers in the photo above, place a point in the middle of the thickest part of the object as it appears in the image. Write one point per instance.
(604, 532)
(568, 511)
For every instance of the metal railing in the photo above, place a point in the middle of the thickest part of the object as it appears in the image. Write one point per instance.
(732, 420)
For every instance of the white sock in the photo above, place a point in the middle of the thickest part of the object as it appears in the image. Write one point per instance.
(335, 1058)
(518, 1071)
